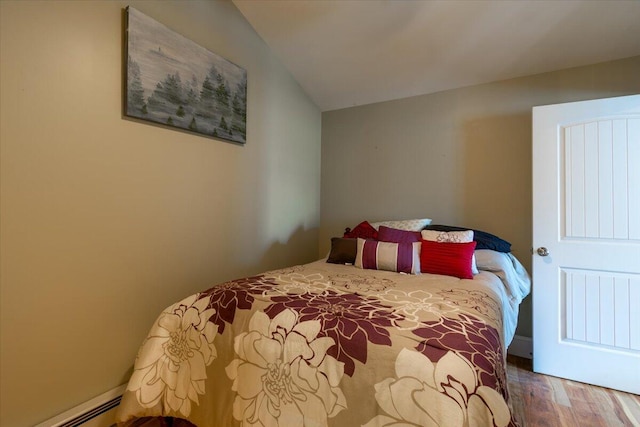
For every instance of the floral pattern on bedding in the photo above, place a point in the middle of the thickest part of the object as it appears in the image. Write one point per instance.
(480, 301)
(283, 372)
(320, 345)
(356, 283)
(451, 385)
(171, 366)
(228, 297)
(414, 306)
(352, 321)
(471, 339)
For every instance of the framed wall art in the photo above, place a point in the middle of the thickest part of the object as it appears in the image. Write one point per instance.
(173, 81)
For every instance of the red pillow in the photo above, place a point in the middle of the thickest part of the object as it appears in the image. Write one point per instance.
(364, 230)
(449, 259)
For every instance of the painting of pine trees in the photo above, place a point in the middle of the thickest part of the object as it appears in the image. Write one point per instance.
(174, 81)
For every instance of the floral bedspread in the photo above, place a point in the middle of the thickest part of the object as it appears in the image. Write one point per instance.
(330, 345)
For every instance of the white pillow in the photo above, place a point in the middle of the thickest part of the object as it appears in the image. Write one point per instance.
(405, 224)
(452, 237)
(448, 236)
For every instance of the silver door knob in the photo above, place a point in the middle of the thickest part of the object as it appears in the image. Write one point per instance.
(542, 251)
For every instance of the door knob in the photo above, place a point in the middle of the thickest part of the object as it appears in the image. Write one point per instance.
(542, 251)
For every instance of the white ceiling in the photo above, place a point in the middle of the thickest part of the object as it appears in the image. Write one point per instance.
(355, 52)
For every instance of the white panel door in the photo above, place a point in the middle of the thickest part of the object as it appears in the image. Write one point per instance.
(586, 236)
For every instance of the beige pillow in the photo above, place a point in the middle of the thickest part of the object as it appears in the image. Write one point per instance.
(405, 224)
(448, 236)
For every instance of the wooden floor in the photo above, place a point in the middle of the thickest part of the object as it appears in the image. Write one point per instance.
(540, 400)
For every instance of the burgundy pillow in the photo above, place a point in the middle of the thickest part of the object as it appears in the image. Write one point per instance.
(387, 234)
(364, 230)
(449, 259)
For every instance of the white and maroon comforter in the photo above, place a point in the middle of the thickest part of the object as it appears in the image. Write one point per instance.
(333, 345)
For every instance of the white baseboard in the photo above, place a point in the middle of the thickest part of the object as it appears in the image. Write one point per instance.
(521, 347)
(97, 412)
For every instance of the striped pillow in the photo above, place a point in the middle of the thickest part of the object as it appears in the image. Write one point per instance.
(399, 257)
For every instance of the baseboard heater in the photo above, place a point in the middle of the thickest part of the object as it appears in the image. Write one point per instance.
(85, 413)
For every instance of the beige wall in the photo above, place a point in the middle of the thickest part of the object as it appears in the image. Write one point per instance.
(460, 157)
(106, 221)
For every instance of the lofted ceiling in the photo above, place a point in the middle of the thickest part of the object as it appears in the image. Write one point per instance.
(354, 52)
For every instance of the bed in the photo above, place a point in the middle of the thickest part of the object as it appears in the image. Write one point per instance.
(334, 344)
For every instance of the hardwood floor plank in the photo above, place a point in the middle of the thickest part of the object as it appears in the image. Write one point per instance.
(559, 394)
(606, 400)
(630, 406)
(544, 401)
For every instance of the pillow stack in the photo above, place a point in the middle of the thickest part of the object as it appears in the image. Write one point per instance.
(413, 247)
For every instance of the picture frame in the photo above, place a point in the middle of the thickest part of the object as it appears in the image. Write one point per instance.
(173, 81)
